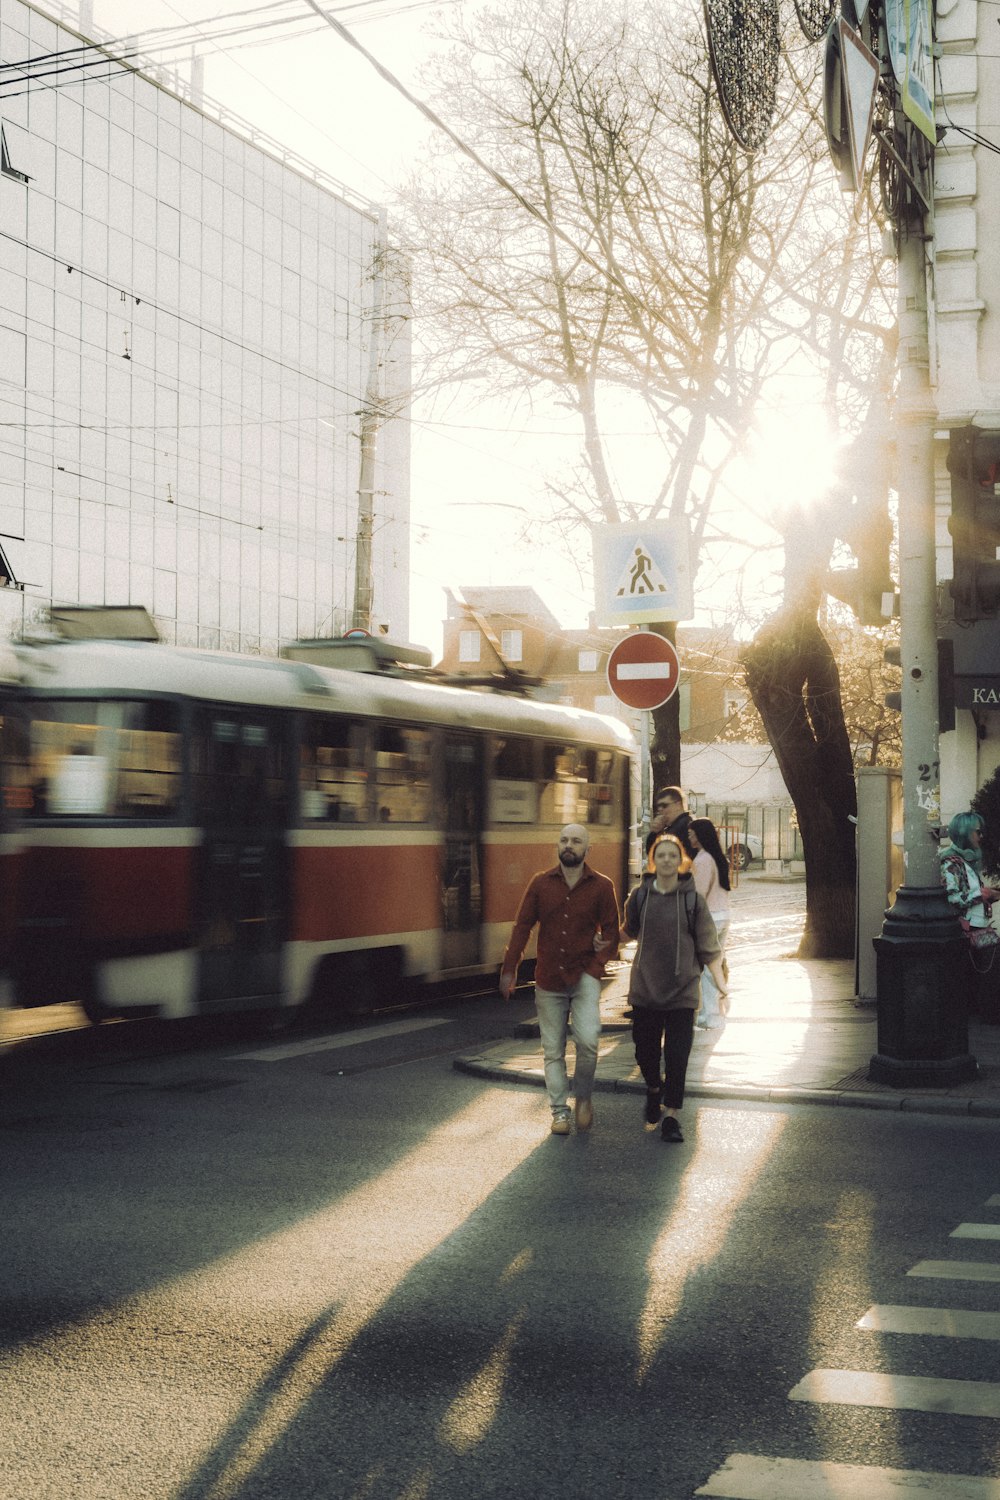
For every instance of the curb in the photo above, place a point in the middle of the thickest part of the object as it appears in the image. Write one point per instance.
(983, 1109)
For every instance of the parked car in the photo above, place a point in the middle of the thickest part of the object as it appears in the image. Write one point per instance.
(743, 849)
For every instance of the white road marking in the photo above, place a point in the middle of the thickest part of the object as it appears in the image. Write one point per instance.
(746, 1477)
(957, 1270)
(993, 1202)
(976, 1232)
(947, 1322)
(965, 1398)
(283, 1050)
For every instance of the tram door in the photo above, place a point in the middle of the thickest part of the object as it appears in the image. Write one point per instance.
(462, 894)
(241, 795)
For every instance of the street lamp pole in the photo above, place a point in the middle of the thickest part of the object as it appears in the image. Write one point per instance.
(922, 1027)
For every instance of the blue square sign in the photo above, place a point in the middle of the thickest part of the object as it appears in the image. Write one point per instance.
(642, 572)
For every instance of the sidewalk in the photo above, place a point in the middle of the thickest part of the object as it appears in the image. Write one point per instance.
(794, 1033)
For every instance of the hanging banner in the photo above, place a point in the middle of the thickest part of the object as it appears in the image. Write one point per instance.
(918, 79)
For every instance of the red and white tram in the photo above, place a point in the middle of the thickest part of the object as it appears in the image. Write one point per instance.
(12, 799)
(207, 832)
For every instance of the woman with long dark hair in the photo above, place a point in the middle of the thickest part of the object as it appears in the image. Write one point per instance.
(711, 880)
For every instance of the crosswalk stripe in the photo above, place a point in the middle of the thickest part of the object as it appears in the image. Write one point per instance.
(964, 1398)
(993, 1201)
(945, 1321)
(745, 1477)
(957, 1270)
(333, 1043)
(976, 1232)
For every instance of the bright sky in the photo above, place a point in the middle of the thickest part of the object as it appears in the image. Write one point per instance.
(477, 469)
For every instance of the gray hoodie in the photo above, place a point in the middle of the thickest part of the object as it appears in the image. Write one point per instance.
(666, 970)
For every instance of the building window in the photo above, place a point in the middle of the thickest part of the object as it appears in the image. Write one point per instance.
(511, 645)
(13, 152)
(733, 702)
(587, 661)
(468, 645)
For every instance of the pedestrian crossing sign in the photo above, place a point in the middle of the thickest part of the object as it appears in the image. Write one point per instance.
(642, 573)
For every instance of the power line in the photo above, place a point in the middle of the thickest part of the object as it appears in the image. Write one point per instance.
(610, 272)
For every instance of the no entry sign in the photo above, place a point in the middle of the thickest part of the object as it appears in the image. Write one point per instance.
(643, 670)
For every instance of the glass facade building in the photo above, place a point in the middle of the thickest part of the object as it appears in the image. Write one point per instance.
(186, 317)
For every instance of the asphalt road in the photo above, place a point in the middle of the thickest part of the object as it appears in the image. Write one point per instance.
(334, 1267)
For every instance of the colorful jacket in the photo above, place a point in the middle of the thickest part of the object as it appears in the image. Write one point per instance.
(963, 887)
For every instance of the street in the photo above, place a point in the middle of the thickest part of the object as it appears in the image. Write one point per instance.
(335, 1267)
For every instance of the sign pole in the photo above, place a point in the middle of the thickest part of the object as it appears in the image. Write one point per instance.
(643, 673)
(646, 789)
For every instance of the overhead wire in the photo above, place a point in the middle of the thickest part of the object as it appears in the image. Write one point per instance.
(532, 209)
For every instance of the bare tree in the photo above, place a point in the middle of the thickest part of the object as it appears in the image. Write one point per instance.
(664, 264)
(653, 269)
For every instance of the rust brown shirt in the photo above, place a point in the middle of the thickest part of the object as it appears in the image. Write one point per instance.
(568, 920)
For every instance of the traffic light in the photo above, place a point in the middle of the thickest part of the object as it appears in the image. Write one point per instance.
(974, 523)
(860, 501)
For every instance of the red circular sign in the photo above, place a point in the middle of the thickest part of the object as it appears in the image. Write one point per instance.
(643, 670)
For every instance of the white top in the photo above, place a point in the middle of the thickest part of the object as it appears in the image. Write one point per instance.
(707, 884)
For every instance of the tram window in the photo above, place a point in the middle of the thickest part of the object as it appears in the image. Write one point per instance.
(577, 785)
(333, 776)
(238, 768)
(402, 774)
(16, 778)
(513, 784)
(107, 760)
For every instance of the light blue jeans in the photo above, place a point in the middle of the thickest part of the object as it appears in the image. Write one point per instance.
(554, 1007)
(709, 1014)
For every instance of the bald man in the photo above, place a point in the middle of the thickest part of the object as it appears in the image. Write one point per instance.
(577, 915)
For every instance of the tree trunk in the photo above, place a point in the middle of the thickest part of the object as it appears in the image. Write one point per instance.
(793, 680)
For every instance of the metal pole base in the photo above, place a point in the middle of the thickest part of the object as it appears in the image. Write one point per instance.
(923, 976)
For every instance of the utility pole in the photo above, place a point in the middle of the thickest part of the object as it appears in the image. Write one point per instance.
(879, 78)
(371, 419)
(922, 1032)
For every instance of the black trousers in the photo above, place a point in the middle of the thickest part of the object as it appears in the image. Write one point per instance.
(671, 1033)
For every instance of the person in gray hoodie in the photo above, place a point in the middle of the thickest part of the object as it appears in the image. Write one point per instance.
(676, 938)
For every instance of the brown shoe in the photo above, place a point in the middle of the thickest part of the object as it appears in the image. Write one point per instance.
(560, 1123)
(584, 1112)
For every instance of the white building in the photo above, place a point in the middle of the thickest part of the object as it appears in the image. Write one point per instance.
(965, 344)
(185, 315)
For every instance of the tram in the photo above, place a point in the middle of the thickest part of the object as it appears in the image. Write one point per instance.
(12, 798)
(204, 832)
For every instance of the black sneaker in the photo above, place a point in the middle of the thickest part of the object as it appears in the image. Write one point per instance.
(652, 1106)
(670, 1130)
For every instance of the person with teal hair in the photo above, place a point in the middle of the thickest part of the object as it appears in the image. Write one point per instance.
(961, 870)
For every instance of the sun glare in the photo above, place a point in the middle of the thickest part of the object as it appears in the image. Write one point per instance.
(790, 460)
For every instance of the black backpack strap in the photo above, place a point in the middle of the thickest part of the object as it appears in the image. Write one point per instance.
(641, 892)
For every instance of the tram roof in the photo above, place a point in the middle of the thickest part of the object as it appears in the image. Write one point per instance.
(113, 668)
